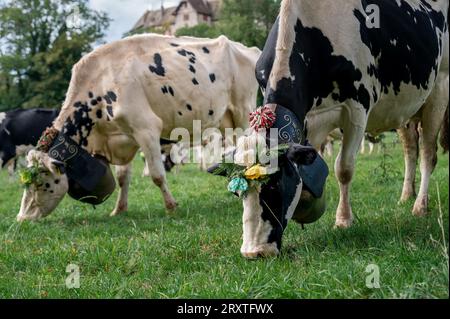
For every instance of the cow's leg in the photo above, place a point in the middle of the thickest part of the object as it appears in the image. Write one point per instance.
(371, 148)
(123, 177)
(329, 149)
(149, 141)
(363, 146)
(431, 122)
(145, 172)
(410, 141)
(344, 168)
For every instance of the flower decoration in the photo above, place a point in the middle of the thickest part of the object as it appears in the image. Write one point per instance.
(256, 172)
(47, 139)
(262, 118)
(30, 175)
(238, 184)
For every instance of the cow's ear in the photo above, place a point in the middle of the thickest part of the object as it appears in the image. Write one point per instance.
(302, 155)
(217, 170)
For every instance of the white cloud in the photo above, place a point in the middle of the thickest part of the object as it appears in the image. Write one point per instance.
(125, 13)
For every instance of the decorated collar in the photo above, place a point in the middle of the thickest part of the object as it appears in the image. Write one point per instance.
(80, 166)
(290, 131)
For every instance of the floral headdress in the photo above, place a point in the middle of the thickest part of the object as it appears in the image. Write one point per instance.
(244, 176)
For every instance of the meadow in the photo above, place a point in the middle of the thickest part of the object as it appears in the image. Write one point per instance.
(194, 253)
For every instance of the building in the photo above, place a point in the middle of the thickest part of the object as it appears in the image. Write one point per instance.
(188, 13)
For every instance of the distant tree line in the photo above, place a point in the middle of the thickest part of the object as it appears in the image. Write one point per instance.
(40, 42)
(245, 21)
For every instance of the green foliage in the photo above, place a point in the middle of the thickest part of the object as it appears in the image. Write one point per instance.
(200, 31)
(245, 21)
(30, 175)
(39, 48)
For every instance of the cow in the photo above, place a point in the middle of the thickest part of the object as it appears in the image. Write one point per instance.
(20, 131)
(328, 63)
(125, 96)
(410, 138)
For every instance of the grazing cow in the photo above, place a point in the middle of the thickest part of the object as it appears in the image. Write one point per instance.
(20, 131)
(330, 65)
(410, 137)
(127, 95)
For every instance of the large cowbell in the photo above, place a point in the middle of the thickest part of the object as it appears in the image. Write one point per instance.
(90, 178)
(312, 204)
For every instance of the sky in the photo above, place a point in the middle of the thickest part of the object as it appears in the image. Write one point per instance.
(125, 13)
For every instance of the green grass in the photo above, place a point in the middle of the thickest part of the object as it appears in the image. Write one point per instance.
(195, 253)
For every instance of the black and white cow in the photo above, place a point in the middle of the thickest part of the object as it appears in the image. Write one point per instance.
(333, 68)
(125, 96)
(20, 131)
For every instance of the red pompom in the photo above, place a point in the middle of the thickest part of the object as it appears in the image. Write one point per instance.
(262, 118)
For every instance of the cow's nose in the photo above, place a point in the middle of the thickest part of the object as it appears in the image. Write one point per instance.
(261, 253)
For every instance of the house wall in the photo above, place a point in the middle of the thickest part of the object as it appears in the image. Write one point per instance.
(193, 18)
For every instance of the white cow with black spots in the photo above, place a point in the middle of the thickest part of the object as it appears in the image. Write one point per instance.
(128, 94)
(328, 64)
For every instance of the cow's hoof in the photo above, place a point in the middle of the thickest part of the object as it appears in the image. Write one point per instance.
(420, 211)
(171, 207)
(343, 223)
(117, 212)
(406, 197)
(421, 208)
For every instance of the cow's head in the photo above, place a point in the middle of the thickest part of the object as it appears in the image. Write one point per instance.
(268, 207)
(270, 203)
(45, 186)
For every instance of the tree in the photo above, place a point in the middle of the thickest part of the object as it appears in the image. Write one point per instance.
(245, 21)
(40, 42)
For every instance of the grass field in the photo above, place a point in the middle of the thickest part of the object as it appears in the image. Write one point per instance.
(195, 253)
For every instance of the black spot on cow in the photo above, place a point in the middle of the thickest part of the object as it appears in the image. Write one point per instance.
(80, 124)
(175, 45)
(112, 96)
(171, 91)
(94, 102)
(109, 109)
(47, 185)
(206, 50)
(57, 181)
(194, 80)
(182, 52)
(99, 114)
(107, 99)
(193, 60)
(165, 90)
(158, 68)
(317, 72)
(180, 113)
(91, 95)
(407, 49)
(189, 107)
(212, 77)
(211, 113)
(192, 69)
(99, 99)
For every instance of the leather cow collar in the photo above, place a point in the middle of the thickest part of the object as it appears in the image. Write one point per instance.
(291, 130)
(90, 178)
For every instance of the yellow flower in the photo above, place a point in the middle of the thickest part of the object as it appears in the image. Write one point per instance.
(25, 178)
(256, 172)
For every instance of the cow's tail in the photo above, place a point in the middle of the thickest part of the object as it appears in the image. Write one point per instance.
(445, 133)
